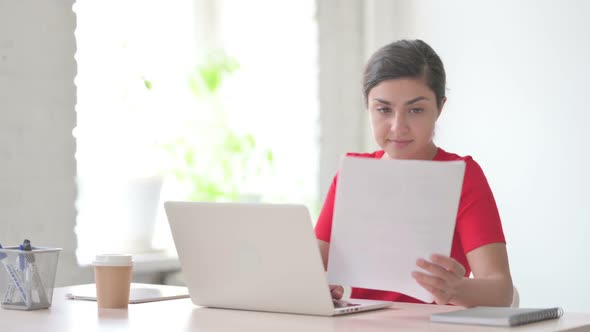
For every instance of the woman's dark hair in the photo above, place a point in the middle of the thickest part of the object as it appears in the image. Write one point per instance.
(406, 58)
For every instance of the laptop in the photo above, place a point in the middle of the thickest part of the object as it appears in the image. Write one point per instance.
(252, 256)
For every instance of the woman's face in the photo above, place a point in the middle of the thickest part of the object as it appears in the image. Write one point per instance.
(403, 113)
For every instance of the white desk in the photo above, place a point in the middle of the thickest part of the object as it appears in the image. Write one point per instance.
(182, 315)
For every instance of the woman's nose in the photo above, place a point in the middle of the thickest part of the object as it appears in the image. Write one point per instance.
(399, 122)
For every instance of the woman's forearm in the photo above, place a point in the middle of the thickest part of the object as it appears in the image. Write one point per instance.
(490, 291)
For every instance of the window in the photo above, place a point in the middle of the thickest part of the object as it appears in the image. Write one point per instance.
(135, 97)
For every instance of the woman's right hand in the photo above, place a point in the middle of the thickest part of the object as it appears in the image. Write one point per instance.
(337, 291)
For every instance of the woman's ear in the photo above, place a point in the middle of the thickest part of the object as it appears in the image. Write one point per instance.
(442, 104)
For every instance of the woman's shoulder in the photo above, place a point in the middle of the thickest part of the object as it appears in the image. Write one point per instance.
(472, 168)
(442, 155)
(375, 154)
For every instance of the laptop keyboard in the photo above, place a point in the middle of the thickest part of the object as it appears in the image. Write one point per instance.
(343, 304)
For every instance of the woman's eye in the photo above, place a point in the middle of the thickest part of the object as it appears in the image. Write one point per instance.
(416, 110)
(383, 109)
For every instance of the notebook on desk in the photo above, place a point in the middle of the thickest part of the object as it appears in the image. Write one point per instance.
(497, 316)
(249, 256)
(139, 293)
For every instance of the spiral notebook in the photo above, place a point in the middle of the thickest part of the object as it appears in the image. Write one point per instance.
(497, 316)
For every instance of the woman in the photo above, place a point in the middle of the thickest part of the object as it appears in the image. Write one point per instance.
(404, 91)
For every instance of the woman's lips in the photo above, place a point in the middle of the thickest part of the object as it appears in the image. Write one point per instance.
(400, 143)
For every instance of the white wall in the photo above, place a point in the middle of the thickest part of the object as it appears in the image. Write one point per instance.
(37, 99)
(341, 56)
(518, 93)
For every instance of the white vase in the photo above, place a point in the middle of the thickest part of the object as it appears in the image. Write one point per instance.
(116, 214)
(143, 196)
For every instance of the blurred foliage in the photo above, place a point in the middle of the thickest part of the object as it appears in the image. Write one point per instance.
(207, 78)
(216, 169)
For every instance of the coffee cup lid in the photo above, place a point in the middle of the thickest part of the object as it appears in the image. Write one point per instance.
(113, 260)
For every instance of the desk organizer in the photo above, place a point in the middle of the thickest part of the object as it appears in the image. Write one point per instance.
(27, 277)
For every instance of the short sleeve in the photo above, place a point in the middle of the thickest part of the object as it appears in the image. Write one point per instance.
(323, 228)
(478, 220)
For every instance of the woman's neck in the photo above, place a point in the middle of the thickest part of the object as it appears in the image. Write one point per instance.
(427, 154)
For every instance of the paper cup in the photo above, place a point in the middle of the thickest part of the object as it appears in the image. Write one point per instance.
(112, 274)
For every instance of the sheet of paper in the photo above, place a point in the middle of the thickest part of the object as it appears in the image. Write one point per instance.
(387, 214)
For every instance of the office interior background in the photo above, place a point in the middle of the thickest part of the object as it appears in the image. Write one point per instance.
(107, 108)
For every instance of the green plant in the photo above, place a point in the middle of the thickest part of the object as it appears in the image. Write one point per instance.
(223, 166)
(206, 79)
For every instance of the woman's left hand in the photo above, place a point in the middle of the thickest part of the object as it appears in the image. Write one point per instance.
(445, 278)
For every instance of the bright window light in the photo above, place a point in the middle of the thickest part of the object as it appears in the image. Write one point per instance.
(137, 103)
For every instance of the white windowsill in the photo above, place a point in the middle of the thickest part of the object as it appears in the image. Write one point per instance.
(156, 261)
